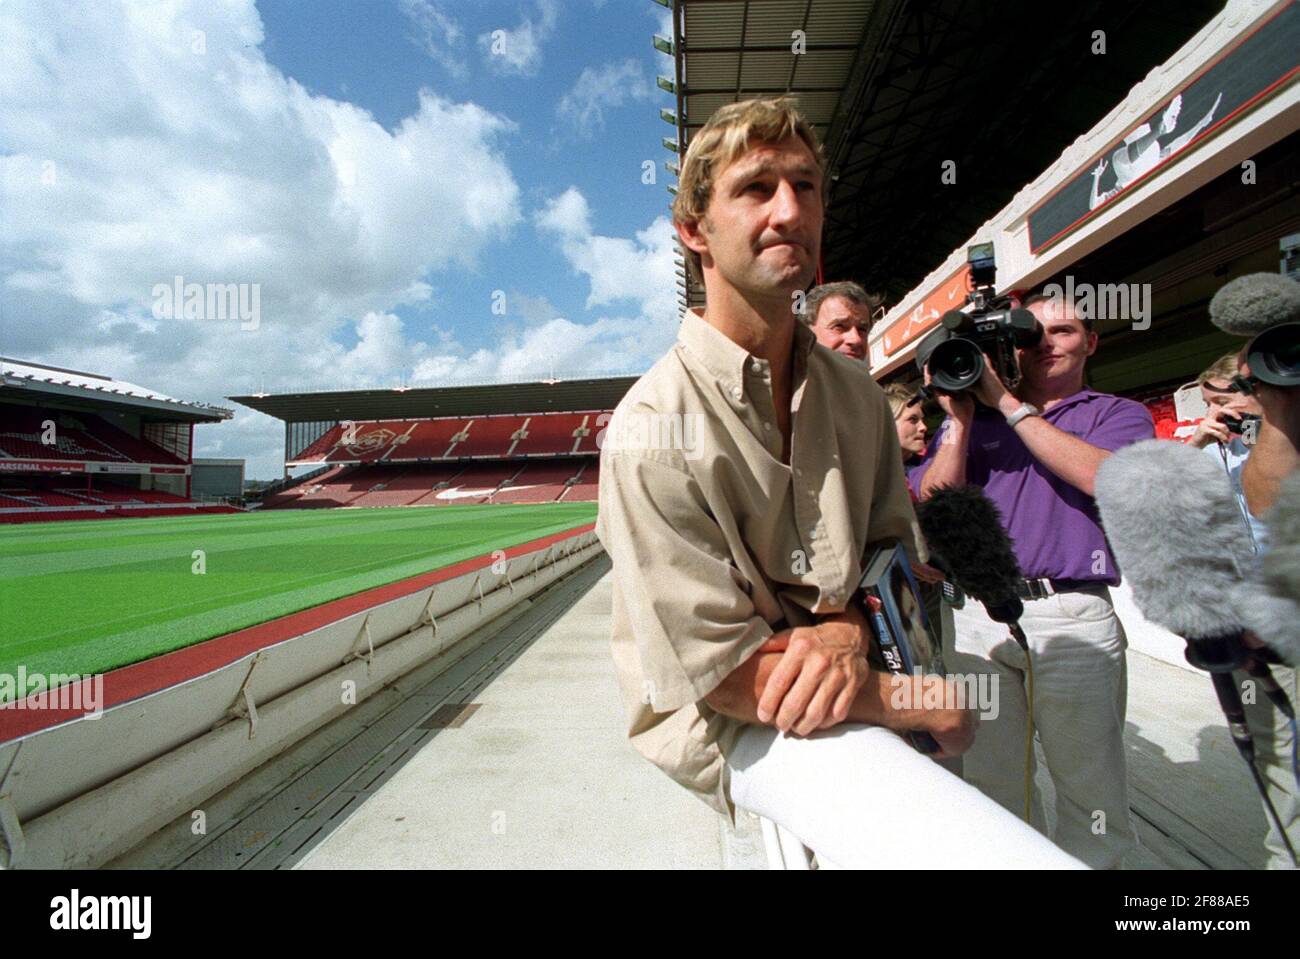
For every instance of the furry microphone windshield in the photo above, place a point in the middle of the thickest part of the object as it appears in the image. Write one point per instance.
(1178, 535)
(1271, 606)
(1251, 304)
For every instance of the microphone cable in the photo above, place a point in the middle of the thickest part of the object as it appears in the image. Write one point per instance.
(1029, 733)
(1219, 656)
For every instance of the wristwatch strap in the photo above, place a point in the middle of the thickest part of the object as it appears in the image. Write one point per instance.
(1025, 409)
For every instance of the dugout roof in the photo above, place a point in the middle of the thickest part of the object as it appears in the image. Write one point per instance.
(896, 88)
(546, 396)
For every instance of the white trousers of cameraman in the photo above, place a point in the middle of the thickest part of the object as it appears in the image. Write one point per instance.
(1080, 699)
(860, 797)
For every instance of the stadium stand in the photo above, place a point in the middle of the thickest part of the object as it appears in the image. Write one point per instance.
(494, 437)
(77, 445)
(586, 486)
(504, 458)
(80, 437)
(558, 433)
(540, 482)
(521, 442)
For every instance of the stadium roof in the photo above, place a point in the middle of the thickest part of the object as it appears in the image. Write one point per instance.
(546, 396)
(897, 88)
(22, 379)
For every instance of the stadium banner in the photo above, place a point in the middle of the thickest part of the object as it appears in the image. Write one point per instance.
(45, 466)
(948, 295)
(137, 469)
(1259, 64)
(78, 466)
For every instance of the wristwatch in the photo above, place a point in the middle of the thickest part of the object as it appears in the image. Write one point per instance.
(1025, 409)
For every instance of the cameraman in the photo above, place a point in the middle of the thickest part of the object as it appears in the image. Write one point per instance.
(1036, 455)
(1276, 455)
(1277, 450)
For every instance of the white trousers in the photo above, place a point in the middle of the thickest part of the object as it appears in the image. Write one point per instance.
(862, 798)
(1080, 698)
(1274, 741)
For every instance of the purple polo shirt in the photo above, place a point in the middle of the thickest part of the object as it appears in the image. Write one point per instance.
(1054, 527)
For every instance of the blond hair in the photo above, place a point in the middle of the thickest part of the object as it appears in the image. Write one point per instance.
(1224, 368)
(899, 397)
(731, 131)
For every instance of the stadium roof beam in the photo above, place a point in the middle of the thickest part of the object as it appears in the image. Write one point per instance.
(940, 90)
(895, 88)
(24, 380)
(565, 396)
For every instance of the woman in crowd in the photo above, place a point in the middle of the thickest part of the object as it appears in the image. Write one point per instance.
(906, 407)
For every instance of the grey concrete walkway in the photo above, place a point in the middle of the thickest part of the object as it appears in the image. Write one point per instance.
(541, 775)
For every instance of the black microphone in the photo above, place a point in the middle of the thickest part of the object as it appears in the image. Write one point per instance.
(1178, 536)
(964, 533)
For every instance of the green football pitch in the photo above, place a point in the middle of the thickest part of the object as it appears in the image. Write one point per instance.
(85, 597)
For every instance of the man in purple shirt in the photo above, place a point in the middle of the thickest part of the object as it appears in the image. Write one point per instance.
(1036, 453)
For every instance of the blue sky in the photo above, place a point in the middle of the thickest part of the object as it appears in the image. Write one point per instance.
(370, 54)
(383, 171)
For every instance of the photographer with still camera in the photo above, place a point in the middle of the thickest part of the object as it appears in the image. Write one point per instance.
(1229, 430)
(1035, 452)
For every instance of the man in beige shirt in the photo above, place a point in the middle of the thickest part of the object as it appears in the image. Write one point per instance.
(744, 480)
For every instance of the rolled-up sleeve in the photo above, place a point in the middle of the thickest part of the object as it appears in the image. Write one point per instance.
(689, 608)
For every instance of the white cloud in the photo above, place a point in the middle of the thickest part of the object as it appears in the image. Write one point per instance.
(437, 33)
(148, 141)
(532, 310)
(519, 51)
(618, 269)
(598, 89)
(567, 215)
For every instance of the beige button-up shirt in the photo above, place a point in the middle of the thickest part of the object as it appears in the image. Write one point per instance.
(717, 544)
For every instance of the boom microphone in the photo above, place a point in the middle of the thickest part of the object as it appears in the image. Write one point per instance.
(1253, 303)
(1265, 307)
(1178, 536)
(964, 533)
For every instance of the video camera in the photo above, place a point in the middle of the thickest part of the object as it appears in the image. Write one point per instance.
(955, 351)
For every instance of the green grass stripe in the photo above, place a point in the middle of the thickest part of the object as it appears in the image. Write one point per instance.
(112, 592)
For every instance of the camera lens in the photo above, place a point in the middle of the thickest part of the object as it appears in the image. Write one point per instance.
(955, 365)
(1274, 355)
